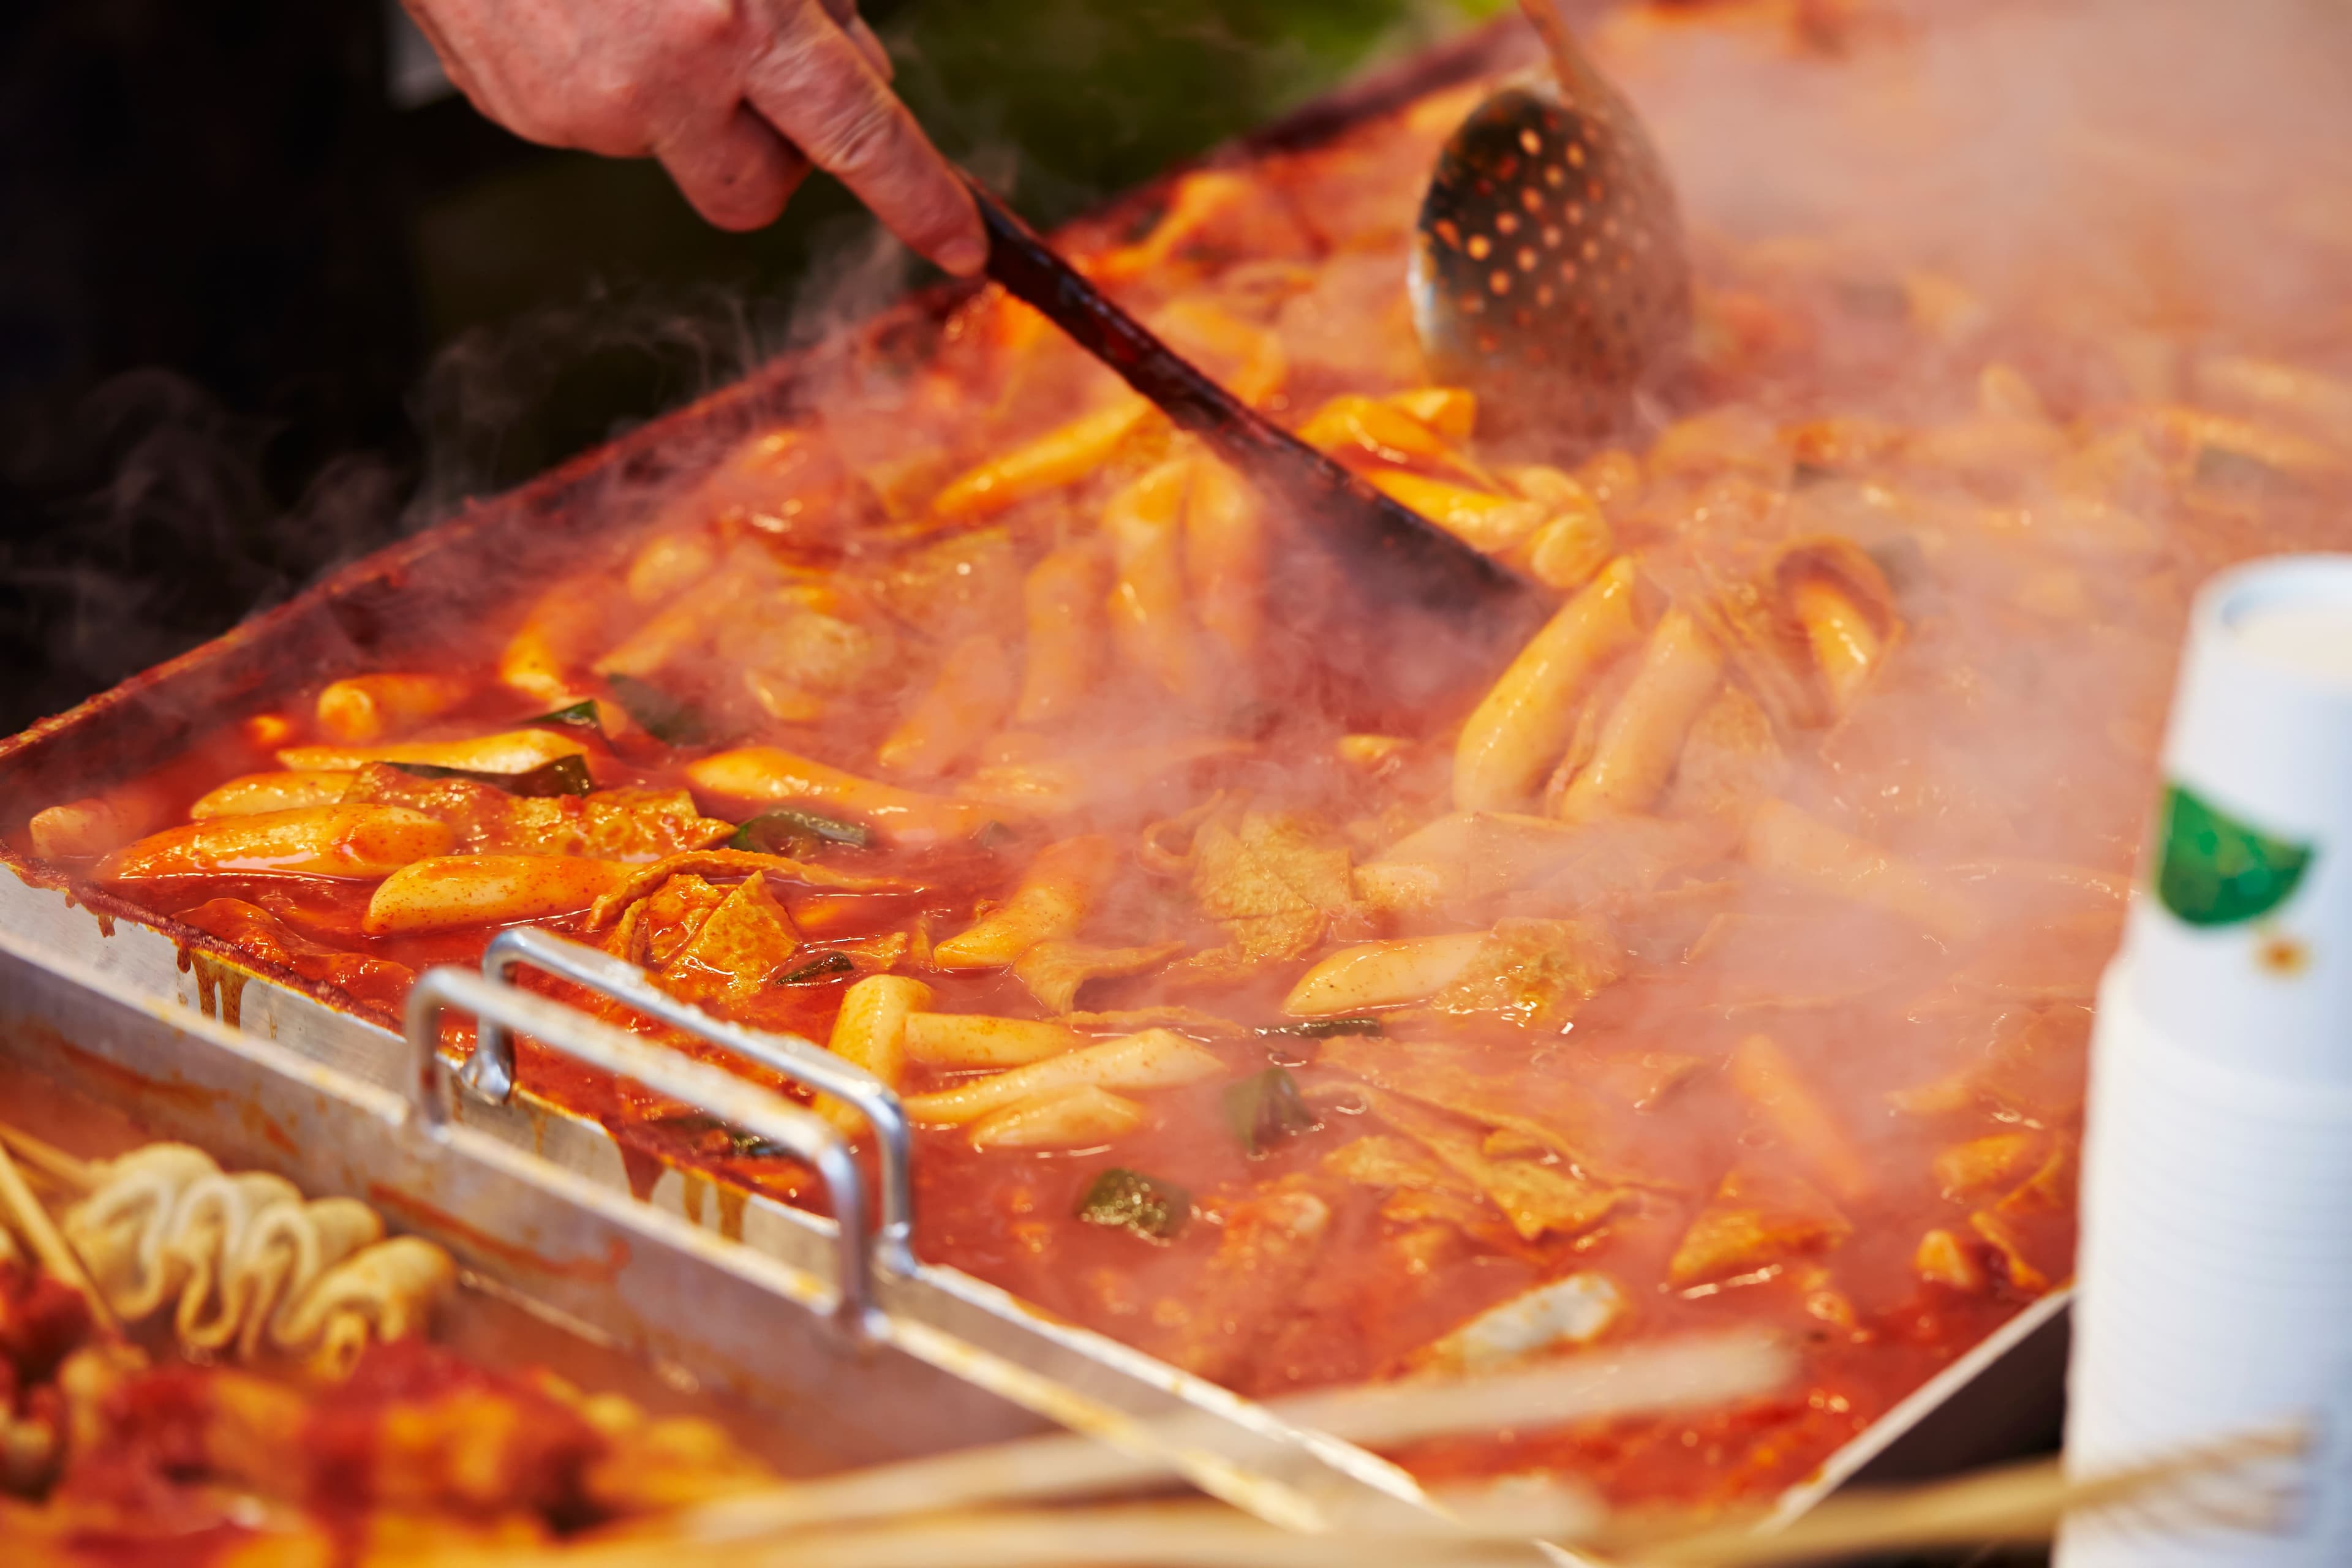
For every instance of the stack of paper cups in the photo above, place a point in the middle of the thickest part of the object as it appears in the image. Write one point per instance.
(2216, 1265)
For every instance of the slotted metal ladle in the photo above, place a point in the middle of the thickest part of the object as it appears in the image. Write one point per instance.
(1549, 273)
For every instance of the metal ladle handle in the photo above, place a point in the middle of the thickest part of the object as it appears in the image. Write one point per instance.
(736, 1101)
(490, 1070)
(1385, 543)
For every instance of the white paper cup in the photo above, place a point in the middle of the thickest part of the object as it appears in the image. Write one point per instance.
(2216, 1282)
(2223, 1163)
(2215, 1269)
(2245, 952)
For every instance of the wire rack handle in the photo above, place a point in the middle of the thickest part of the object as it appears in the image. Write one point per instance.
(490, 1072)
(734, 1102)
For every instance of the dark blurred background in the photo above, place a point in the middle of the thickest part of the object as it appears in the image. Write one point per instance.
(270, 293)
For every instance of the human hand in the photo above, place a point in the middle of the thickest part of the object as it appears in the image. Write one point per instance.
(736, 98)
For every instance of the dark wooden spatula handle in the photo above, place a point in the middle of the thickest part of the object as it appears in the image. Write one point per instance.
(1388, 547)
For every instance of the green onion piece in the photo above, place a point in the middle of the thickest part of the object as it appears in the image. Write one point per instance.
(565, 776)
(1870, 297)
(1265, 1108)
(1905, 565)
(1801, 474)
(993, 836)
(824, 968)
(751, 1146)
(669, 720)
(776, 832)
(2225, 469)
(1324, 1028)
(740, 1145)
(770, 835)
(580, 715)
(1153, 1209)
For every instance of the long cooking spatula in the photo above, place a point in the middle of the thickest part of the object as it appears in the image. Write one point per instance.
(1393, 550)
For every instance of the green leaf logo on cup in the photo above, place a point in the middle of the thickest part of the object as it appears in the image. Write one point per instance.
(2214, 870)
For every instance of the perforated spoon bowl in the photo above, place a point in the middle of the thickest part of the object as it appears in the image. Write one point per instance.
(1549, 273)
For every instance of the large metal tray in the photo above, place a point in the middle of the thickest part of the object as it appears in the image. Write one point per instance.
(777, 1309)
(782, 1311)
(285, 1073)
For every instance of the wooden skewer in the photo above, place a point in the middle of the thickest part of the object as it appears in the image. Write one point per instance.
(1179, 1536)
(76, 1175)
(2015, 1503)
(1682, 1375)
(1152, 1445)
(49, 1246)
(1190, 1534)
(1696, 1373)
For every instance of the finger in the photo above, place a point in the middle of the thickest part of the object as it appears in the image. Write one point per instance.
(429, 27)
(870, 47)
(738, 174)
(813, 85)
(844, 16)
(491, 105)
